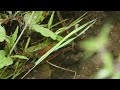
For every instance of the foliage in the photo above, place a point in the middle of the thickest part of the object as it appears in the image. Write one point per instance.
(96, 44)
(32, 21)
(11, 40)
(19, 56)
(99, 45)
(38, 17)
(4, 60)
(46, 32)
(2, 34)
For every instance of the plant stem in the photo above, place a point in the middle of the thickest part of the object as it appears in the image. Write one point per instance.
(21, 33)
(61, 19)
(28, 72)
(63, 69)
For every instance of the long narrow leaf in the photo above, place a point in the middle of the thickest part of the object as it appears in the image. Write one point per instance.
(58, 44)
(51, 19)
(61, 30)
(70, 40)
(65, 43)
(76, 30)
(11, 40)
(77, 20)
(44, 31)
(58, 23)
(19, 56)
(14, 37)
(72, 24)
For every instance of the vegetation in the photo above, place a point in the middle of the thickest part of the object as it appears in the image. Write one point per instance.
(99, 45)
(16, 54)
(30, 38)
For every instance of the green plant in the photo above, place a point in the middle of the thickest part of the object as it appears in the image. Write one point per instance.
(99, 45)
(64, 42)
(33, 23)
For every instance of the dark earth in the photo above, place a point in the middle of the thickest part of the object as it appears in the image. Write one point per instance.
(72, 59)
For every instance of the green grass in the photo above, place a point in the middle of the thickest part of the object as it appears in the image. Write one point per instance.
(16, 57)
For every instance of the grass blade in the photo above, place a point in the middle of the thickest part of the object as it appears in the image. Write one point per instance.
(70, 40)
(62, 43)
(51, 19)
(64, 39)
(72, 24)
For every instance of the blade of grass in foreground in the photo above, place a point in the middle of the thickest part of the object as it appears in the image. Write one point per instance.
(62, 42)
(70, 40)
(61, 30)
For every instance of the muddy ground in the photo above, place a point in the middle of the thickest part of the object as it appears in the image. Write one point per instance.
(71, 59)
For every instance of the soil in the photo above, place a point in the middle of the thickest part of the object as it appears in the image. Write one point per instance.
(72, 59)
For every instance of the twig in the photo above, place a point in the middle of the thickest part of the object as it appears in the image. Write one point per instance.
(28, 72)
(61, 19)
(21, 33)
(62, 68)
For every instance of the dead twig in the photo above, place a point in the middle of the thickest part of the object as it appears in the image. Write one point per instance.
(63, 68)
